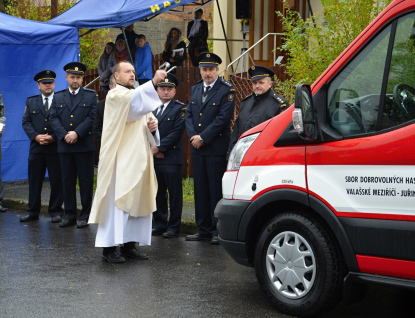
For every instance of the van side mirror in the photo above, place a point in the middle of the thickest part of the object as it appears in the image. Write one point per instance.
(303, 115)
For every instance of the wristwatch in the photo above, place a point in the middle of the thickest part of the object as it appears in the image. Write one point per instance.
(201, 140)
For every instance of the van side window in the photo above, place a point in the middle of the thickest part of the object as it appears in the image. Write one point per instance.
(354, 95)
(400, 93)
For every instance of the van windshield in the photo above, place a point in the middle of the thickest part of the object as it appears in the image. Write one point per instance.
(376, 90)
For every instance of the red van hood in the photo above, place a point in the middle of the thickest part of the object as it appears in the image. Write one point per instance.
(256, 129)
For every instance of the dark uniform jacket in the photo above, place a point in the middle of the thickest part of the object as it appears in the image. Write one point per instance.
(79, 117)
(254, 110)
(36, 122)
(98, 121)
(171, 127)
(211, 119)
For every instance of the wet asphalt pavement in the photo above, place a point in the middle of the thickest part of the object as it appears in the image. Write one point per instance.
(46, 271)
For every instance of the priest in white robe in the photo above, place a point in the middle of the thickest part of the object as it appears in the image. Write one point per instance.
(127, 186)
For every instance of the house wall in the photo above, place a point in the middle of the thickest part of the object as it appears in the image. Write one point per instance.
(233, 30)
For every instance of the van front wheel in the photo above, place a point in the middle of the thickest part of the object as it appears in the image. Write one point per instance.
(298, 265)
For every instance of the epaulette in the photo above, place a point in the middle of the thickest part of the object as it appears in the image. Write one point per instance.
(198, 82)
(227, 83)
(61, 91)
(179, 102)
(247, 97)
(279, 99)
(90, 90)
(33, 96)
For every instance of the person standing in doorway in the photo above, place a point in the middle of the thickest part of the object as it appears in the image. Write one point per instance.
(197, 34)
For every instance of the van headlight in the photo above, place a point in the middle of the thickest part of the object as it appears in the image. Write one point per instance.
(239, 150)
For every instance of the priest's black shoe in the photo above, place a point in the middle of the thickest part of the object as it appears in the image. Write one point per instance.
(197, 237)
(2, 209)
(155, 232)
(67, 223)
(81, 224)
(56, 219)
(29, 217)
(113, 257)
(214, 240)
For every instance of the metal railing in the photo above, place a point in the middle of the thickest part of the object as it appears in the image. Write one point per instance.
(251, 48)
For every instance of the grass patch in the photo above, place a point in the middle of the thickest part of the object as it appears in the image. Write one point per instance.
(188, 190)
(187, 183)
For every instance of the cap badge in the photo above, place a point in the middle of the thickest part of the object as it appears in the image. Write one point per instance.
(47, 72)
(207, 55)
(76, 68)
(166, 80)
(253, 67)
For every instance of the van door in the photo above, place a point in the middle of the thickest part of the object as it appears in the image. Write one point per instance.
(367, 177)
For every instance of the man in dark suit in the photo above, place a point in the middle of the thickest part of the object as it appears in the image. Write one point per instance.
(168, 159)
(43, 150)
(260, 106)
(72, 116)
(197, 34)
(99, 115)
(208, 117)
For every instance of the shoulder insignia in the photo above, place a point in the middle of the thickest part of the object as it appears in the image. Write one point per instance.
(90, 90)
(283, 105)
(227, 83)
(279, 99)
(231, 97)
(183, 113)
(198, 82)
(62, 91)
(232, 90)
(179, 102)
(33, 96)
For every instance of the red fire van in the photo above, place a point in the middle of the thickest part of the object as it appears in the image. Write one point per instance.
(321, 198)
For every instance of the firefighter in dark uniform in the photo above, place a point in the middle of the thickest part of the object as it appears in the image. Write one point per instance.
(43, 150)
(72, 116)
(208, 117)
(260, 106)
(168, 159)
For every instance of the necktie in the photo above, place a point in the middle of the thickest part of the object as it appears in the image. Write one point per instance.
(46, 104)
(160, 112)
(206, 91)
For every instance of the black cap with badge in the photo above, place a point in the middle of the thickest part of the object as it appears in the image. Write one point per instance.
(207, 59)
(170, 81)
(256, 72)
(75, 68)
(46, 76)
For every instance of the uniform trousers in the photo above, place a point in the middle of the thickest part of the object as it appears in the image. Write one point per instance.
(38, 162)
(81, 165)
(169, 178)
(207, 175)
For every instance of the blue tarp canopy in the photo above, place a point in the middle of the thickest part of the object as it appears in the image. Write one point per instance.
(96, 14)
(26, 48)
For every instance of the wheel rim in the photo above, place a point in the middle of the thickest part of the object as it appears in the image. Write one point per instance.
(291, 265)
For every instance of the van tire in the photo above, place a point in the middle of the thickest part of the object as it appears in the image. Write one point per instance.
(308, 262)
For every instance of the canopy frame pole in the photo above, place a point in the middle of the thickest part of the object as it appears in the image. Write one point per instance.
(126, 44)
(224, 32)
